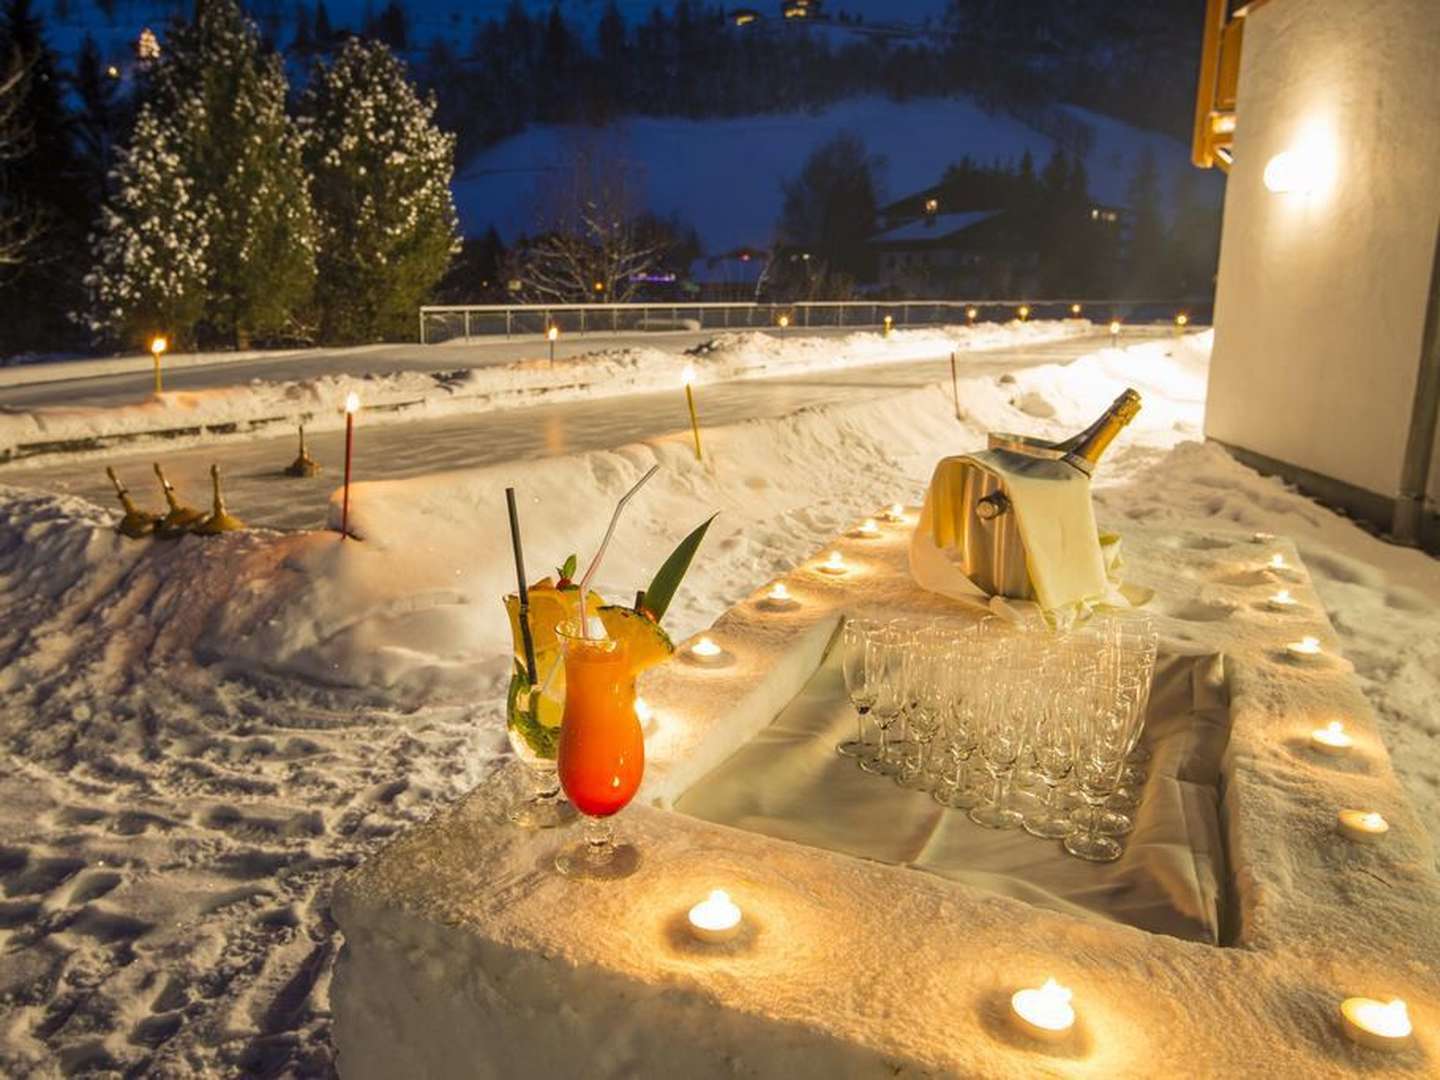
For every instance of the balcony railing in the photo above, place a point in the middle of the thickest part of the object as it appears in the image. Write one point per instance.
(449, 322)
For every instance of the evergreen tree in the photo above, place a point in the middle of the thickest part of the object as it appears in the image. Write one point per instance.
(218, 104)
(324, 32)
(43, 179)
(829, 209)
(381, 173)
(150, 267)
(1149, 269)
(101, 120)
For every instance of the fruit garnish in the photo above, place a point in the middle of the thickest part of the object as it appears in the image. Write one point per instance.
(648, 643)
(672, 571)
(567, 572)
(550, 606)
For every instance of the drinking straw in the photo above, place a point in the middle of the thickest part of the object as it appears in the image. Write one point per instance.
(595, 562)
(525, 636)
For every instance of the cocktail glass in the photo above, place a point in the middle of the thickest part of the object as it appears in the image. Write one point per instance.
(601, 752)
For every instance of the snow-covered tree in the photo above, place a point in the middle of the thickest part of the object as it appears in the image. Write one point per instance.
(151, 270)
(381, 183)
(217, 104)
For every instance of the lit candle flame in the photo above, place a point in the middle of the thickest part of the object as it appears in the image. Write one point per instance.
(1047, 1008)
(868, 526)
(1277, 561)
(1114, 326)
(705, 647)
(553, 333)
(1391, 1018)
(715, 917)
(1283, 597)
(159, 345)
(970, 313)
(834, 563)
(687, 376)
(778, 591)
(1372, 820)
(352, 402)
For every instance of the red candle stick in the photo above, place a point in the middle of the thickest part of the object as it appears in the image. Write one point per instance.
(352, 406)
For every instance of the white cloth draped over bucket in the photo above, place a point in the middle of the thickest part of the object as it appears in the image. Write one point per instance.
(1069, 562)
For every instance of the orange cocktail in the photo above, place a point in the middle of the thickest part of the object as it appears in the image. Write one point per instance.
(602, 750)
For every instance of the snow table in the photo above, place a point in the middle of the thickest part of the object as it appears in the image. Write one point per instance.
(467, 955)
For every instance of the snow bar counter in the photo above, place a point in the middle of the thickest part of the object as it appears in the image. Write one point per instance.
(467, 955)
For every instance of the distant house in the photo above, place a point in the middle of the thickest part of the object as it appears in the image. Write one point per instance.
(971, 253)
(730, 275)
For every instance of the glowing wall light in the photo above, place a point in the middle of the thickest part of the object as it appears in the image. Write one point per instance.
(1306, 168)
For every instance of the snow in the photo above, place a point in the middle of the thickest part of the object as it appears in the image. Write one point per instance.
(201, 736)
(724, 176)
(935, 227)
(318, 400)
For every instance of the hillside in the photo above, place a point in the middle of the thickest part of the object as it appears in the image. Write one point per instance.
(723, 176)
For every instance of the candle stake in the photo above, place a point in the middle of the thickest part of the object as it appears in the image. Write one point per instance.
(526, 637)
(352, 406)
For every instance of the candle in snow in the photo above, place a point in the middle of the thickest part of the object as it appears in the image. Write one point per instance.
(895, 512)
(779, 598)
(1380, 1025)
(1282, 601)
(716, 918)
(834, 564)
(1277, 562)
(1363, 826)
(1044, 1013)
(705, 651)
(1306, 649)
(1331, 739)
(868, 529)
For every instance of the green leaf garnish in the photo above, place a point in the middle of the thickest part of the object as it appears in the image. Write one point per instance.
(667, 579)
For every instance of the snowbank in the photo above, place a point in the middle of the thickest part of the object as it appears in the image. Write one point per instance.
(318, 402)
(202, 735)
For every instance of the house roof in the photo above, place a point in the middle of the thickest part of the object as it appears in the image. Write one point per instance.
(938, 227)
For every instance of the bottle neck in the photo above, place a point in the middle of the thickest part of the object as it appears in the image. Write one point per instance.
(1085, 449)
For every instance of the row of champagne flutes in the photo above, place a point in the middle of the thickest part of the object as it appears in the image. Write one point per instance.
(971, 711)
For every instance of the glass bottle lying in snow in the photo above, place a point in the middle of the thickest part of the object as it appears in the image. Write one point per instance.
(1015, 520)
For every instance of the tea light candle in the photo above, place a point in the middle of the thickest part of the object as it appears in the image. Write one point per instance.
(1282, 601)
(1380, 1025)
(705, 651)
(1363, 826)
(1306, 650)
(1044, 1013)
(1331, 739)
(779, 598)
(895, 512)
(1261, 537)
(834, 564)
(1277, 562)
(868, 529)
(716, 918)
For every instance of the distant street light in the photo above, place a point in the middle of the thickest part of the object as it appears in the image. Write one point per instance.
(158, 345)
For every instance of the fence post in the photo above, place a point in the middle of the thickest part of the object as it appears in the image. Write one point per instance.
(467, 326)
(582, 320)
(507, 322)
(422, 326)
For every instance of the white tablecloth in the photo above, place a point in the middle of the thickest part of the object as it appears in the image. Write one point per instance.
(788, 782)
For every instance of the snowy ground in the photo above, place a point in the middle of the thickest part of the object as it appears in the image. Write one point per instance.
(200, 736)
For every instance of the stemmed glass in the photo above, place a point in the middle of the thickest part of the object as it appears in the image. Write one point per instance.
(925, 677)
(884, 665)
(854, 640)
(602, 751)
(1001, 734)
(1053, 744)
(1104, 741)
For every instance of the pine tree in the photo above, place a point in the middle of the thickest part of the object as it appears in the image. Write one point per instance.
(381, 172)
(43, 179)
(217, 109)
(1150, 268)
(150, 271)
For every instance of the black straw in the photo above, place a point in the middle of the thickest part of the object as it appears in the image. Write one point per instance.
(525, 635)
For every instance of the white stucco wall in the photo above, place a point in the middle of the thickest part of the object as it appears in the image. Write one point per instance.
(1321, 297)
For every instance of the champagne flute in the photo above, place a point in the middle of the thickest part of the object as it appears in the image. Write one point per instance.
(854, 638)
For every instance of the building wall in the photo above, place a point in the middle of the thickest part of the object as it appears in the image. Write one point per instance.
(1321, 297)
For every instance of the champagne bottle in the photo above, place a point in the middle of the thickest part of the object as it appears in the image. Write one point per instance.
(1083, 451)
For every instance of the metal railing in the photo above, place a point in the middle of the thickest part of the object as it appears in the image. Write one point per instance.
(448, 322)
